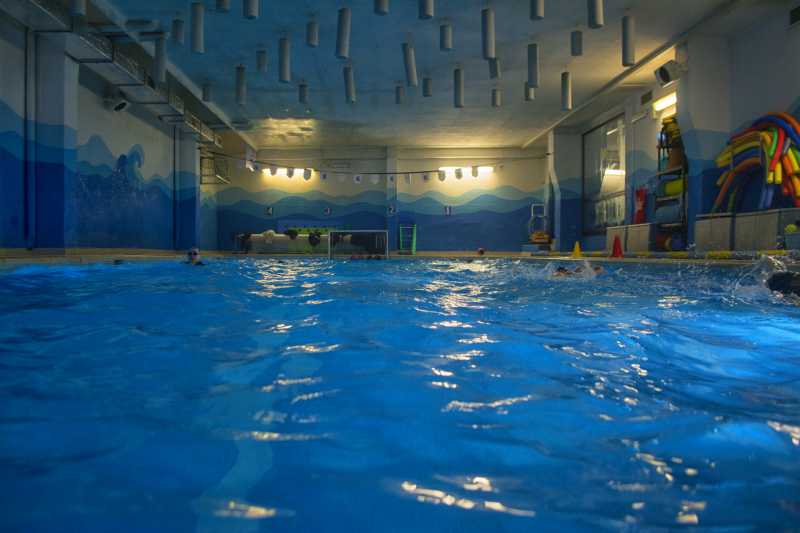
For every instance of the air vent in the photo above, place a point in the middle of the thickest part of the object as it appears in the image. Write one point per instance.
(794, 16)
(647, 98)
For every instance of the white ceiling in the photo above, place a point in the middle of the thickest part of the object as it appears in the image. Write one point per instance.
(277, 119)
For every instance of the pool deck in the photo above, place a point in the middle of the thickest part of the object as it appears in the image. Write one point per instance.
(15, 257)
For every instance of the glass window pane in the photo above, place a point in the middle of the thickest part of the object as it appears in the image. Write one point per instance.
(604, 176)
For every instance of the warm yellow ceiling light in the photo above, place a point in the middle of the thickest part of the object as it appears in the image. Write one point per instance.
(665, 102)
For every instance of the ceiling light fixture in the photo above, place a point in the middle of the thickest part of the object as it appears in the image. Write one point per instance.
(488, 34)
(426, 9)
(285, 60)
(343, 33)
(596, 14)
(576, 43)
(446, 37)
(241, 85)
(458, 88)
(537, 9)
(410, 61)
(566, 91)
(250, 9)
(628, 41)
(198, 27)
(381, 7)
(533, 65)
(312, 34)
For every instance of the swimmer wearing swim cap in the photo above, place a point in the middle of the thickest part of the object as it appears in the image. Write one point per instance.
(193, 257)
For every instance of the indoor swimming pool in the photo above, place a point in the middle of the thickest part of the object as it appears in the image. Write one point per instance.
(402, 395)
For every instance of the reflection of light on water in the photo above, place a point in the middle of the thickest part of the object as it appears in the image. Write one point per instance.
(661, 466)
(792, 431)
(444, 384)
(481, 339)
(271, 436)
(479, 483)
(313, 396)
(453, 324)
(441, 373)
(243, 510)
(312, 348)
(468, 407)
(464, 356)
(290, 383)
(439, 497)
(687, 514)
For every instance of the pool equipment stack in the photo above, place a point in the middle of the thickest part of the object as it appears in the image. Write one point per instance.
(537, 227)
(769, 150)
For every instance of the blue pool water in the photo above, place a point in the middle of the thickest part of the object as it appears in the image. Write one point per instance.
(304, 395)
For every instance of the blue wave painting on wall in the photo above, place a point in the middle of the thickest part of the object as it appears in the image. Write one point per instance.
(104, 201)
(110, 204)
(242, 211)
(495, 219)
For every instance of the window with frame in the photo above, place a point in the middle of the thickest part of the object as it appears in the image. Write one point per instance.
(604, 176)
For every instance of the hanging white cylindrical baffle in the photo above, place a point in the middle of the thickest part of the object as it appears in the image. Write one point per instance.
(495, 71)
(290, 172)
(576, 43)
(445, 37)
(178, 32)
(628, 41)
(410, 60)
(198, 28)
(250, 9)
(566, 91)
(497, 97)
(488, 34)
(458, 88)
(399, 94)
(427, 87)
(530, 93)
(302, 93)
(285, 60)
(597, 17)
(343, 33)
(262, 61)
(381, 7)
(426, 9)
(241, 85)
(77, 8)
(533, 65)
(537, 9)
(312, 33)
(160, 59)
(349, 84)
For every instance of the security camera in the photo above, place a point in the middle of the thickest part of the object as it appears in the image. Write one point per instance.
(669, 73)
(115, 101)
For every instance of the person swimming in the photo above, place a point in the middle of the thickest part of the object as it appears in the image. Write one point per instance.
(785, 283)
(563, 272)
(193, 257)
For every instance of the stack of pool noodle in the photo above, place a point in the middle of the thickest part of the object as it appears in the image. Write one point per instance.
(768, 150)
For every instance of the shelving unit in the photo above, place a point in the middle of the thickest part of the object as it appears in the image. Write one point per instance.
(681, 225)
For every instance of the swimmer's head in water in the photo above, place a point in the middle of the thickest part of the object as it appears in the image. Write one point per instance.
(193, 255)
(787, 283)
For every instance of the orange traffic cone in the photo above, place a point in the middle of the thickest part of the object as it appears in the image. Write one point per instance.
(616, 253)
(576, 251)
